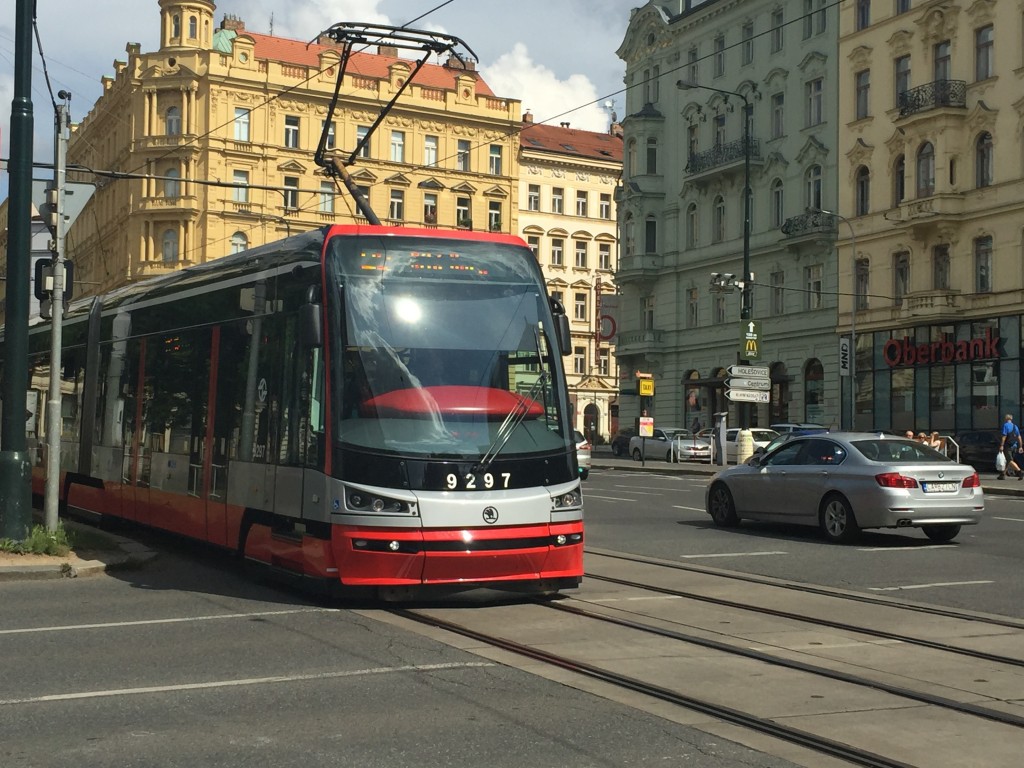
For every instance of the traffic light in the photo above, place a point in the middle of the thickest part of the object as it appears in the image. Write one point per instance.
(49, 210)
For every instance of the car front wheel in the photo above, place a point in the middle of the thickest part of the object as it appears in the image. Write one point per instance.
(942, 533)
(721, 507)
(837, 520)
(616, 449)
(637, 456)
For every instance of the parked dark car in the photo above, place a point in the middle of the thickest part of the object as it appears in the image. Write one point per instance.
(620, 443)
(978, 448)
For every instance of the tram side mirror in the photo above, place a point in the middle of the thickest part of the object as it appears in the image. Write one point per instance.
(311, 324)
(561, 327)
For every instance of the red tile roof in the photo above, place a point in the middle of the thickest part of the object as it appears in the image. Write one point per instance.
(367, 64)
(570, 141)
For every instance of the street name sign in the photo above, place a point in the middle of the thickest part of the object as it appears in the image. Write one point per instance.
(761, 384)
(750, 371)
(747, 396)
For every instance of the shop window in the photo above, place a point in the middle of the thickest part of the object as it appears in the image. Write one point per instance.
(814, 392)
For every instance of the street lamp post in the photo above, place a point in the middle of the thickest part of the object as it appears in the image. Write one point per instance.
(853, 318)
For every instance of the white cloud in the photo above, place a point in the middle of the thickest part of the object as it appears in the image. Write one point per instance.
(551, 100)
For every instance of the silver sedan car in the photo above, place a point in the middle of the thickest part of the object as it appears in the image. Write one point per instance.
(843, 482)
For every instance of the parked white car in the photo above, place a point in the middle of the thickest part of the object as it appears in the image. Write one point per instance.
(672, 444)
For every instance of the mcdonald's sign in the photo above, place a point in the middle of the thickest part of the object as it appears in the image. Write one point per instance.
(750, 345)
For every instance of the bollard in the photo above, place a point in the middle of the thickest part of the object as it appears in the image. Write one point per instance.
(744, 446)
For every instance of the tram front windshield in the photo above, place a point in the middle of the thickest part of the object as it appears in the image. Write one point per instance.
(446, 349)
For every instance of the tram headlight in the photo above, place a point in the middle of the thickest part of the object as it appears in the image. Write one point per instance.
(568, 500)
(357, 500)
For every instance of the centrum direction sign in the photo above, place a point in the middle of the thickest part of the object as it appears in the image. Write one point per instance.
(762, 384)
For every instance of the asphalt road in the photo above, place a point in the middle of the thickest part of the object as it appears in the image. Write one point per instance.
(662, 515)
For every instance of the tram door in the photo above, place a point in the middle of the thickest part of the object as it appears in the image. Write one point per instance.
(221, 442)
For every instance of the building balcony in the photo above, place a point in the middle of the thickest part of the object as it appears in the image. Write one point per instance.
(934, 95)
(723, 157)
(810, 230)
(643, 267)
(645, 342)
(934, 306)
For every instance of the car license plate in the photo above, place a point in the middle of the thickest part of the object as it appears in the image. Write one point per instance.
(940, 487)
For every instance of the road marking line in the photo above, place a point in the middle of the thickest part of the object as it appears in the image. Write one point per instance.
(249, 681)
(635, 599)
(184, 620)
(695, 509)
(734, 554)
(1011, 519)
(929, 586)
(907, 549)
(603, 498)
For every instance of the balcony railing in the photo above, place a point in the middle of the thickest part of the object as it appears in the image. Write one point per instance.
(721, 154)
(810, 223)
(940, 93)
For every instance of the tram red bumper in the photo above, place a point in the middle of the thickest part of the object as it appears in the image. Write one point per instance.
(394, 556)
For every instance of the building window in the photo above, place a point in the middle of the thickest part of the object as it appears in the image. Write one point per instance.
(984, 63)
(902, 6)
(629, 236)
(193, 27)
(815, 112)
(396, 205)
(926, 170)
(328, 128)
(692, 308)
(557, 247)
(863, 191)
(291, 193)
(984, 160)
(718, 221)
(172, 119)
(983, 264)
(647, 313)
(813, 187)
(494, 160)
(398, 146)
(900, 277)
(241, 124)
(463, 212)
(814, 391)
(655, 84)
(719, 57)
(172, 186)
(430, 151)
(719, 130)
(720, 307)
(652, 155)
(940, 267)
(291, 132)
(691, 226)
(899, 180)
(812, 285)
(631, 158)
(778, 281)
(175, 26)
(362, 140)
(862, 10)
(860, 287)
(650, 235)
(778, 29)
(239, 242)
(862, 84)
(579, 360)
(557, 198)
(494, 215)
(462, 156)
(533, 197)
(693, 66)
(605, 206)
(604, 256)
(943, 60)
(603, 362)
(778, 115)
(901, 74)
(240, 193)
(581, 203)
(814, 20)
(748, 43)
(581, 253)
(430, 208)
(579, 304)
(169, 245)
(534, 242)
(778, 206)
(327, 193)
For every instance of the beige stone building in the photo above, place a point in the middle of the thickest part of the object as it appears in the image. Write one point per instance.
(223, 123)
(931, 186)
(567, 215)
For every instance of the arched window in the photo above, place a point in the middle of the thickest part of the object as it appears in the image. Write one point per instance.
(926, 170)
(169, 246)
(814, 391)
(718, 221)
(173, 121)
(778, 206)
(193, 27)
(863, 188)
(983, 160)
(171, 186)
(899, 180)
(631, 158)
(630, 235)
(692, 233)
(239, 242)
(813, 187)
(650, 235)
(175, 26)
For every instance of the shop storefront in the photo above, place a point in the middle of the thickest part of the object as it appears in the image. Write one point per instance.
(947, 378)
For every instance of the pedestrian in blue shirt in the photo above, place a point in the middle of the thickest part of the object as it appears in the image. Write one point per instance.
(1011, 445)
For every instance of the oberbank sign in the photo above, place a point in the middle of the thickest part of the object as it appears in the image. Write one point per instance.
(905, 352)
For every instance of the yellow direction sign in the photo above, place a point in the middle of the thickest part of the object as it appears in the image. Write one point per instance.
(647, 387)
(751, 343)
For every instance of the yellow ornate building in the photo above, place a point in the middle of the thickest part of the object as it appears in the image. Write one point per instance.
(218, 128)
(567, 215)
(932, 187)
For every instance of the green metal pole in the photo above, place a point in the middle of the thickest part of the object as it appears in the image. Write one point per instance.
(15, 470)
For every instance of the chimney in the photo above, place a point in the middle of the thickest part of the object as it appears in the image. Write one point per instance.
(454, 62)
(564, 125)
(527, 117)
(232, 22)
(388, 50)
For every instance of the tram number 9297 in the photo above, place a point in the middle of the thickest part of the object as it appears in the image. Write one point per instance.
(469, 482)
